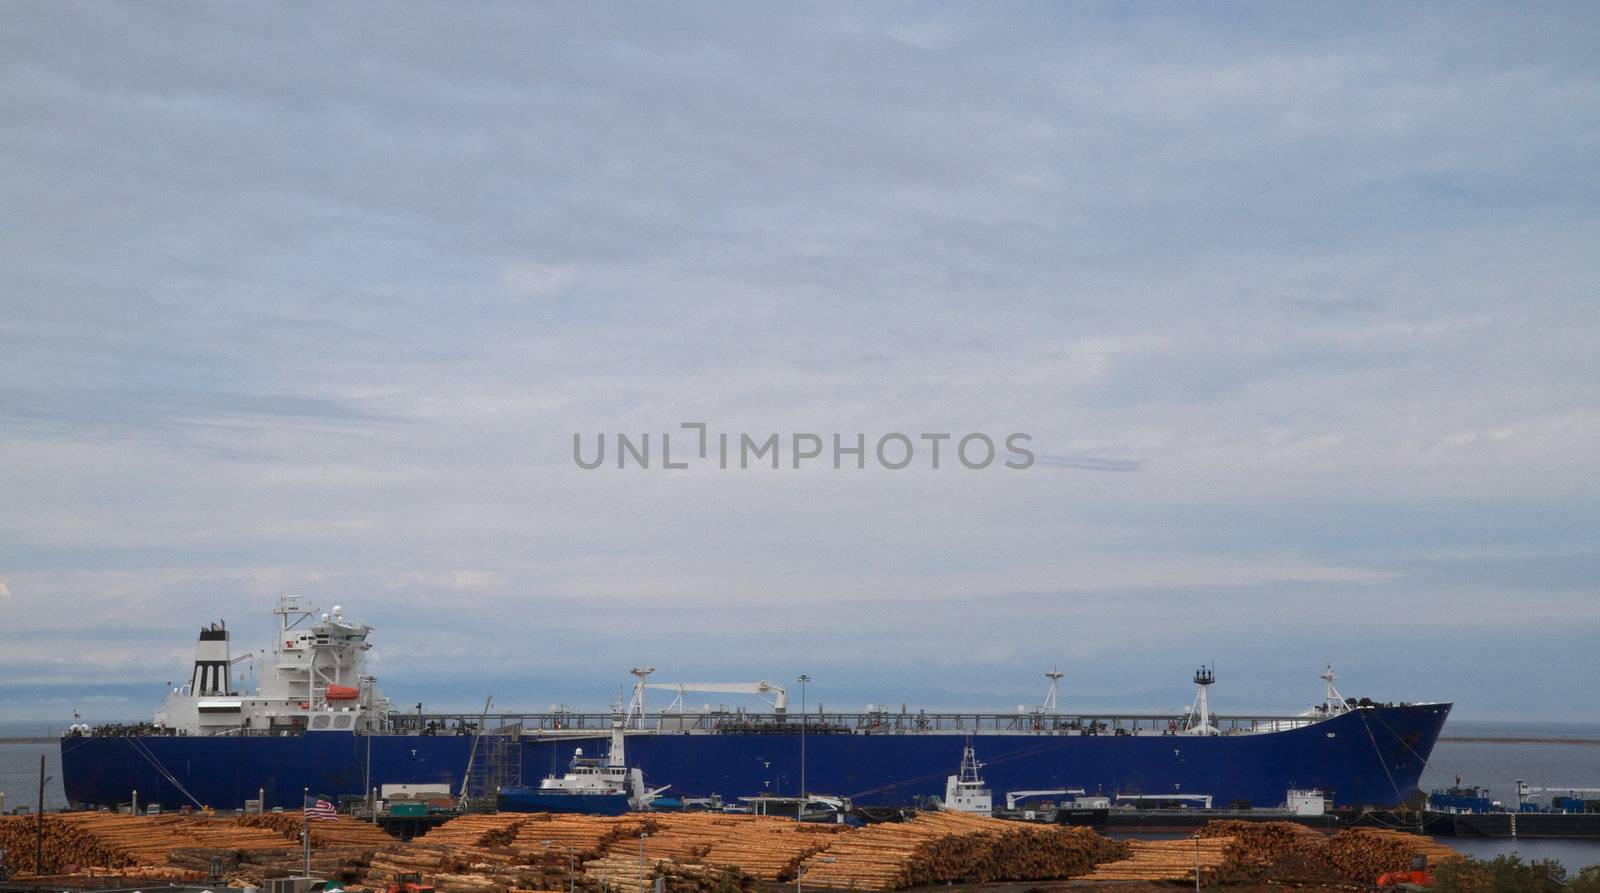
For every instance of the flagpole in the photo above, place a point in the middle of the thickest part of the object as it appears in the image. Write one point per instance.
(305, 828)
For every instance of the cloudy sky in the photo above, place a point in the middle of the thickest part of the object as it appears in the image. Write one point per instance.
(1300, 310)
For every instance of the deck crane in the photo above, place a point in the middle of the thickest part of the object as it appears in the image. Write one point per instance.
(1015, 797)
(766, 691)
(1524, 789)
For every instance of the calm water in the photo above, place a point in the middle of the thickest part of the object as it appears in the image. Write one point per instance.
(19, 766)
(1498, 766)
(1495, 766)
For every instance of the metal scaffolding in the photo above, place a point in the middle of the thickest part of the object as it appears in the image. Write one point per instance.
(496, 761)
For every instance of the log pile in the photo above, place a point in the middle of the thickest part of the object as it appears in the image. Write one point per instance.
(685, 837)
(463, 870)
(344, 863)
(468, 883)
(426, 859)
(985, 849)
(1280, 850)
(1284, 852)
(1166, 860)
(586, 835)
(98, 878)
(696, 852)
(17, 839)
(770, 849)
(110, 840)
(1361, 854)
(946, 847)
(477, 830)
(343, 831)
(148, 840)
(622, 874)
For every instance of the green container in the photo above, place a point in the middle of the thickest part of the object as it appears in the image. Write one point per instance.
(408, 808)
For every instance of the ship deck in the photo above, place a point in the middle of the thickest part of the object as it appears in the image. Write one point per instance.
(563, 724)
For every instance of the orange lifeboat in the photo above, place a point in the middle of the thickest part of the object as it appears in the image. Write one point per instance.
(342, 693)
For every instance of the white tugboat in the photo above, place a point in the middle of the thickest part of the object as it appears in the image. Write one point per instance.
(591, 785)
(965, 791)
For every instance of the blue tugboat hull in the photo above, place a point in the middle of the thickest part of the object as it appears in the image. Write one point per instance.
(535, 800)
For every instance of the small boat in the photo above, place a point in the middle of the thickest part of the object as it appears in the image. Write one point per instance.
(592, 785)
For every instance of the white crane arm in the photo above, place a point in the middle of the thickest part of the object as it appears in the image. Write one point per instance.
(1013, 797)
(1557, 790)
(779, 698)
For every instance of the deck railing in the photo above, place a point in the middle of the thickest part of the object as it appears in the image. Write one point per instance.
(579, 724)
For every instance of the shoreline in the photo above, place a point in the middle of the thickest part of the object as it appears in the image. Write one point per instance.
(1495, 739)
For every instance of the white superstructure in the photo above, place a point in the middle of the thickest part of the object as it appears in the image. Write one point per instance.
(965, 791)
(315, 681)
(604, 777)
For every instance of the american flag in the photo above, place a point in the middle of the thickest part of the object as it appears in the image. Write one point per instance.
(321, 811)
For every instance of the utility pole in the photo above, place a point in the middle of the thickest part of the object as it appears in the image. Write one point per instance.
(38, 841)
(372, 802)
(305, 828)
(800, 810)
(642, 836)
(1197, 861)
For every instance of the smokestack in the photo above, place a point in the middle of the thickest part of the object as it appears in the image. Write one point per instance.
(211, 662)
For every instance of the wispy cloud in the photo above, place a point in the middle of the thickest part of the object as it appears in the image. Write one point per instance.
(1091, 463)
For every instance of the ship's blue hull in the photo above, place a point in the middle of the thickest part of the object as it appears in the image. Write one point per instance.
(1366, 757)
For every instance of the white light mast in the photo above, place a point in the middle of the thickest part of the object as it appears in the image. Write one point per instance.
(640, 673)
(1050, 697)
(1200, 713)
(1335, 702)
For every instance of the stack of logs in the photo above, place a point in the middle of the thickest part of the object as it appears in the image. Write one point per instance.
(1288, 853)
(586, 836)
(82, 840)
(478, 830)
(770, 849)
(1361, 854)
(763, 847)
(622, 874)
(1239, 852)
(707, 851)
(343, 831)
(944, 847)
(1167, 860)
(694, 852)
(430, 861)
(1261, 850)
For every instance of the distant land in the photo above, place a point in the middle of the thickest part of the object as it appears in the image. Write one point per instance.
(1502, 739)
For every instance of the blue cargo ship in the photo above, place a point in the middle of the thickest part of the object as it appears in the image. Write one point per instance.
(318, 722)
